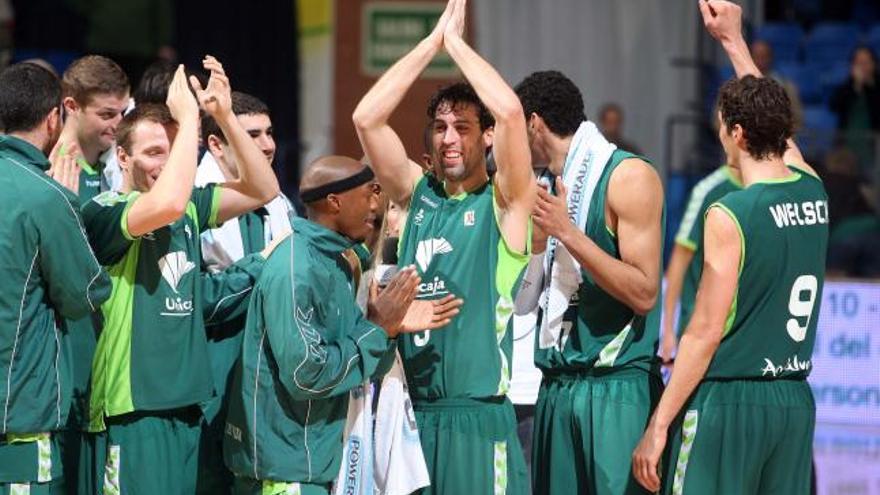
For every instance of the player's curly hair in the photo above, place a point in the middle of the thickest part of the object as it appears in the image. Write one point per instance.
(555, 98)
(762, 108)
(458, 95)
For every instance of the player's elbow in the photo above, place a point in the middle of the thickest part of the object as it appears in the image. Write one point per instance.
(173, 210)
(645, 300)
(270, 191)
(363, 119)
(510, 111)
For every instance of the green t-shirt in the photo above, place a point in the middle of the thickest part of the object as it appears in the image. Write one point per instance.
(603, 332)
(690, 233)
(457, 247)
(771, 326)
(152, 353)
(91, 180)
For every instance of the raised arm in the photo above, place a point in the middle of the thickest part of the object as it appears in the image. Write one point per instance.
(256, 184)
(391, 164)
(723, 20)
(166, 201)
(514, 180)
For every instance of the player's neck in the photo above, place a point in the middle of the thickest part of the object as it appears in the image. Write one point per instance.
(230, 172)
(557, 151)
(90, 153)
(34, 138)
(761, 170)
(470, 183)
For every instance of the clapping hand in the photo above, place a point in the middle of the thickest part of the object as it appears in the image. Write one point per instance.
(64, 167)
(216, 97)
(181, 101)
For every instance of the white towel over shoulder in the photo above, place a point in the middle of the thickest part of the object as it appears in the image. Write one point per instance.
(587, 157)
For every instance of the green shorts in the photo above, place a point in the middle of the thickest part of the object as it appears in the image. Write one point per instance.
(248, 486)
(26, 488)
(153, 452)
(586, 428)
(91, 461)
(744, 437)
(30, 462)
(471, 446)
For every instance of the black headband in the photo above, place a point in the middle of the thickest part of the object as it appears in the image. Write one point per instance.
(337, 186)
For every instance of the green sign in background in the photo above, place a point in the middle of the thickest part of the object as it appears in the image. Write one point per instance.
(391, 29)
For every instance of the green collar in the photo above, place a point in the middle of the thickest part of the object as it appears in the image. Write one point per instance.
(11, 145)
(462, 195)
(84, 164)
(87, 167)
(738, 183)
(793, 177)
(322, 237)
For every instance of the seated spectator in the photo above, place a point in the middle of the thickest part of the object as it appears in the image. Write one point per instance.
(857, 105)
(611, 125)
(762, 53)
(855, 229)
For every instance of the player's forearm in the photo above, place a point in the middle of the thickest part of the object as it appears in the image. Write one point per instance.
(515, 178)
(626, 283)
(170, 194)
(256, 178)
(492, 89)
(740, 57)
(695, 352)
(376, 107)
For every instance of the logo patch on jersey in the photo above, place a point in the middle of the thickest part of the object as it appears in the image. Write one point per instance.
(188, 231)
(428, 248)
(420, 217)
(428, 201)
(174, 266)
(109, 198)
(311, 336)
(470, 218)
(792, 364)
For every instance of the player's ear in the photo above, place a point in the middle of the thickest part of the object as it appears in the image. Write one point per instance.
(123, 157)
(739, 136)
(334, 203)
(213, 145)
(489, 137)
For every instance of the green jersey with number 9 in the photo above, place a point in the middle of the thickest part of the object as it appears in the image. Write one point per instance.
(771, 327)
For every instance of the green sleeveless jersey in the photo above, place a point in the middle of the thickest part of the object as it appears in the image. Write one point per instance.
(771, 326)
(457, 247)
(690, 233)
(603, 332)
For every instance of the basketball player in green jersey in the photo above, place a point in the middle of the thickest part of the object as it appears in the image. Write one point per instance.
(600, 376)
(467, 235)
(738, 407)
(686, 260)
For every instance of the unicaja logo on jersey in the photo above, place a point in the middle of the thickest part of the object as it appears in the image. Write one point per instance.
(428, 248)
(173, 267)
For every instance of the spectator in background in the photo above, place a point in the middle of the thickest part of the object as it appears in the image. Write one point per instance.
(762, 53)
(857, 105)
(6, 23)
(611, 125)
(855, 229)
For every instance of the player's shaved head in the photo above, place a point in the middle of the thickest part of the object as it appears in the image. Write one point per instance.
(328, 169)
(341, 194)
